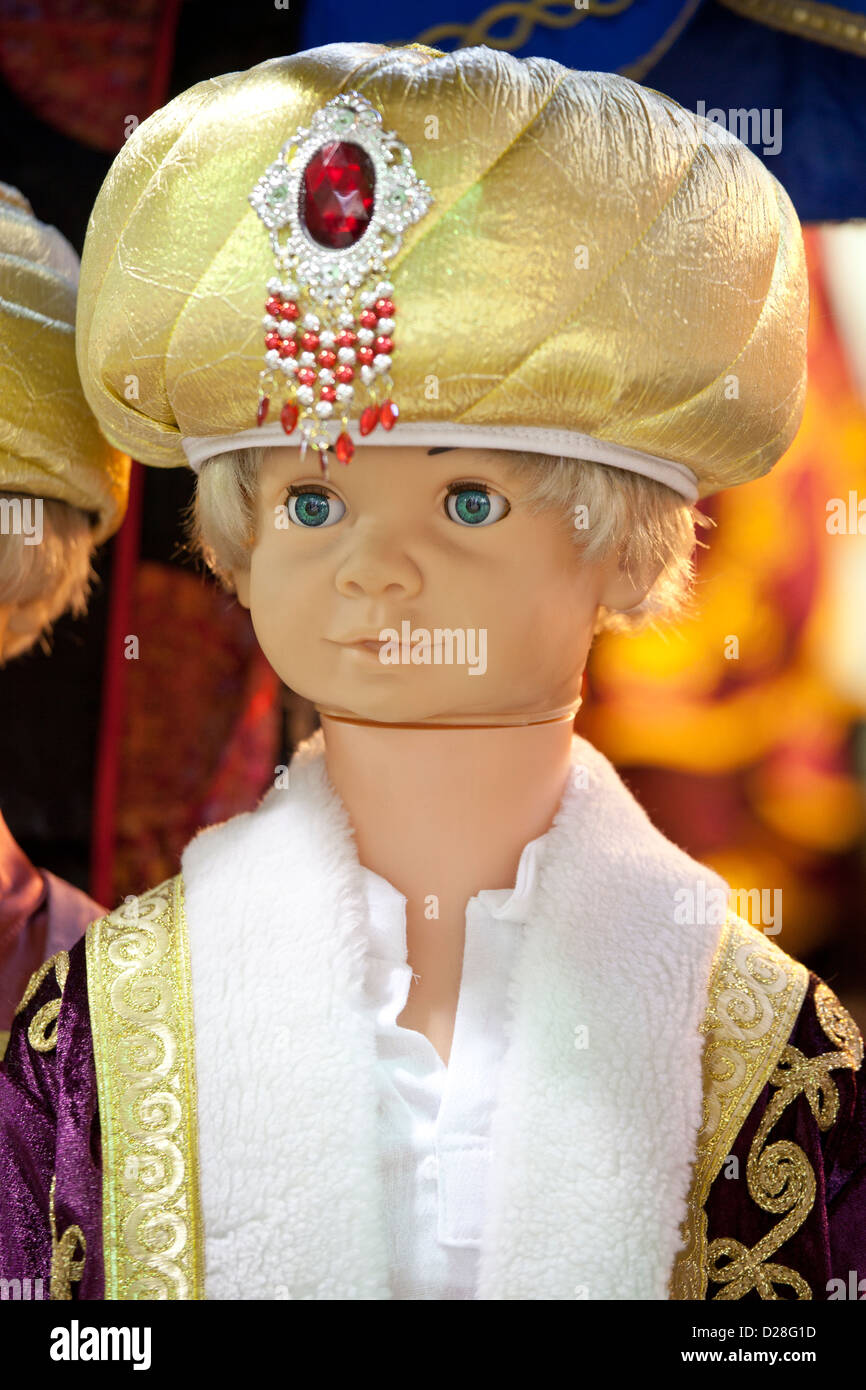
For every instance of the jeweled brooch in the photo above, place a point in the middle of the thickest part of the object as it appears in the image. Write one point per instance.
(336, 203)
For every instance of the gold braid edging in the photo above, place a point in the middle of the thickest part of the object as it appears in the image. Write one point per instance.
(526, 14)
(808, 19)
(141, 1016)
(755, 994)
(42, 1032)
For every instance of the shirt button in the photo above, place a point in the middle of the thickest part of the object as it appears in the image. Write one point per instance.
(429, 1167)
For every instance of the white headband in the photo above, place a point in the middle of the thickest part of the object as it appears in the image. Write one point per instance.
(565, 443)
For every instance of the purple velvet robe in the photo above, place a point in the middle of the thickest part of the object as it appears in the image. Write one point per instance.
(49, 1123)
(39, 915)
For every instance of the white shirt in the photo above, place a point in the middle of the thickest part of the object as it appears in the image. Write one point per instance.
(434, 1121)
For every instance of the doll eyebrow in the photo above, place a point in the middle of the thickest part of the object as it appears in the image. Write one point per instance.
(441, 450)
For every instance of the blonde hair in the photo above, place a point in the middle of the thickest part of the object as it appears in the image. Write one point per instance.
(41, 581)
(648, 523)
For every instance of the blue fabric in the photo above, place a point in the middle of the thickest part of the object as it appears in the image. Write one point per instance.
(716, 58)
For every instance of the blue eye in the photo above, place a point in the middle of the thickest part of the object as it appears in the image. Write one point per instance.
(475, 506)
(311, 507)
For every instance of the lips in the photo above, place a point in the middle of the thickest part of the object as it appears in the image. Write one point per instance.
(363, 642)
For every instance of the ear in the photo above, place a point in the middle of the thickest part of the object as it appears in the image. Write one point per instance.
(241, 581)
(621, 591)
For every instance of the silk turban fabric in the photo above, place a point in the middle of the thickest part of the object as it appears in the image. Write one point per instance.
(679, 331)
(50, 443)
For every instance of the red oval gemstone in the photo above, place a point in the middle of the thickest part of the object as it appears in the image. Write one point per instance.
(261, 413)
(369, 419)
(344, 448)
(338, 194)
(390, 415)
(289, 417)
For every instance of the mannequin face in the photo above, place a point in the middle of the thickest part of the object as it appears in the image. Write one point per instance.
(402, 535)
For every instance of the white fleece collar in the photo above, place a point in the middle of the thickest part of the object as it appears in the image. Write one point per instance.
(601, 1091)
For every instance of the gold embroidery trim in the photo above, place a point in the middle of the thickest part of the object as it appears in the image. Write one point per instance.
(138, 975)
(4, 1043)
(780, 1178)
(526, 14)
(829, 24)
(755, 994)
(42, 1032)
(66, 1270)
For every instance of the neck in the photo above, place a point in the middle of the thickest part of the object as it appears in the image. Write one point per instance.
(447, 810)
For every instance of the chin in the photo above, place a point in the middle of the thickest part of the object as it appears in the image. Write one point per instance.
(392, 707)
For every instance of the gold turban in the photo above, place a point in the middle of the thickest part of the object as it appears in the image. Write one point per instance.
(600, 271)
(50, 444)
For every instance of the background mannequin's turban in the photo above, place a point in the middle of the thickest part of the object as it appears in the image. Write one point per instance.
(50, 444)
(679, 335)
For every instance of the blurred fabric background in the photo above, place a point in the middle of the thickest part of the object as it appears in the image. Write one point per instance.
(755, 764)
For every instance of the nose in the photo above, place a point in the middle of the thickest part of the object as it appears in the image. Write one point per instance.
(378, 565)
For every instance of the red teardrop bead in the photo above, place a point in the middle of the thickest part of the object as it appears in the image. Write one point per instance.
(289, 417)
(344, 448)
(390, 415)
(338, 194)
(369, 419)
(262, 412)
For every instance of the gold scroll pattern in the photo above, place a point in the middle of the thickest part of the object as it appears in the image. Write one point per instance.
(141, 1016)
(755, 994)
(42, 1031)
(66, 1269)
(780, 1177)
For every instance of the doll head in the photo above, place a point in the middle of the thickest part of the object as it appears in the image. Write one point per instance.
(44, 568)
(62, 487)
(440, 232)
(516, 560)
